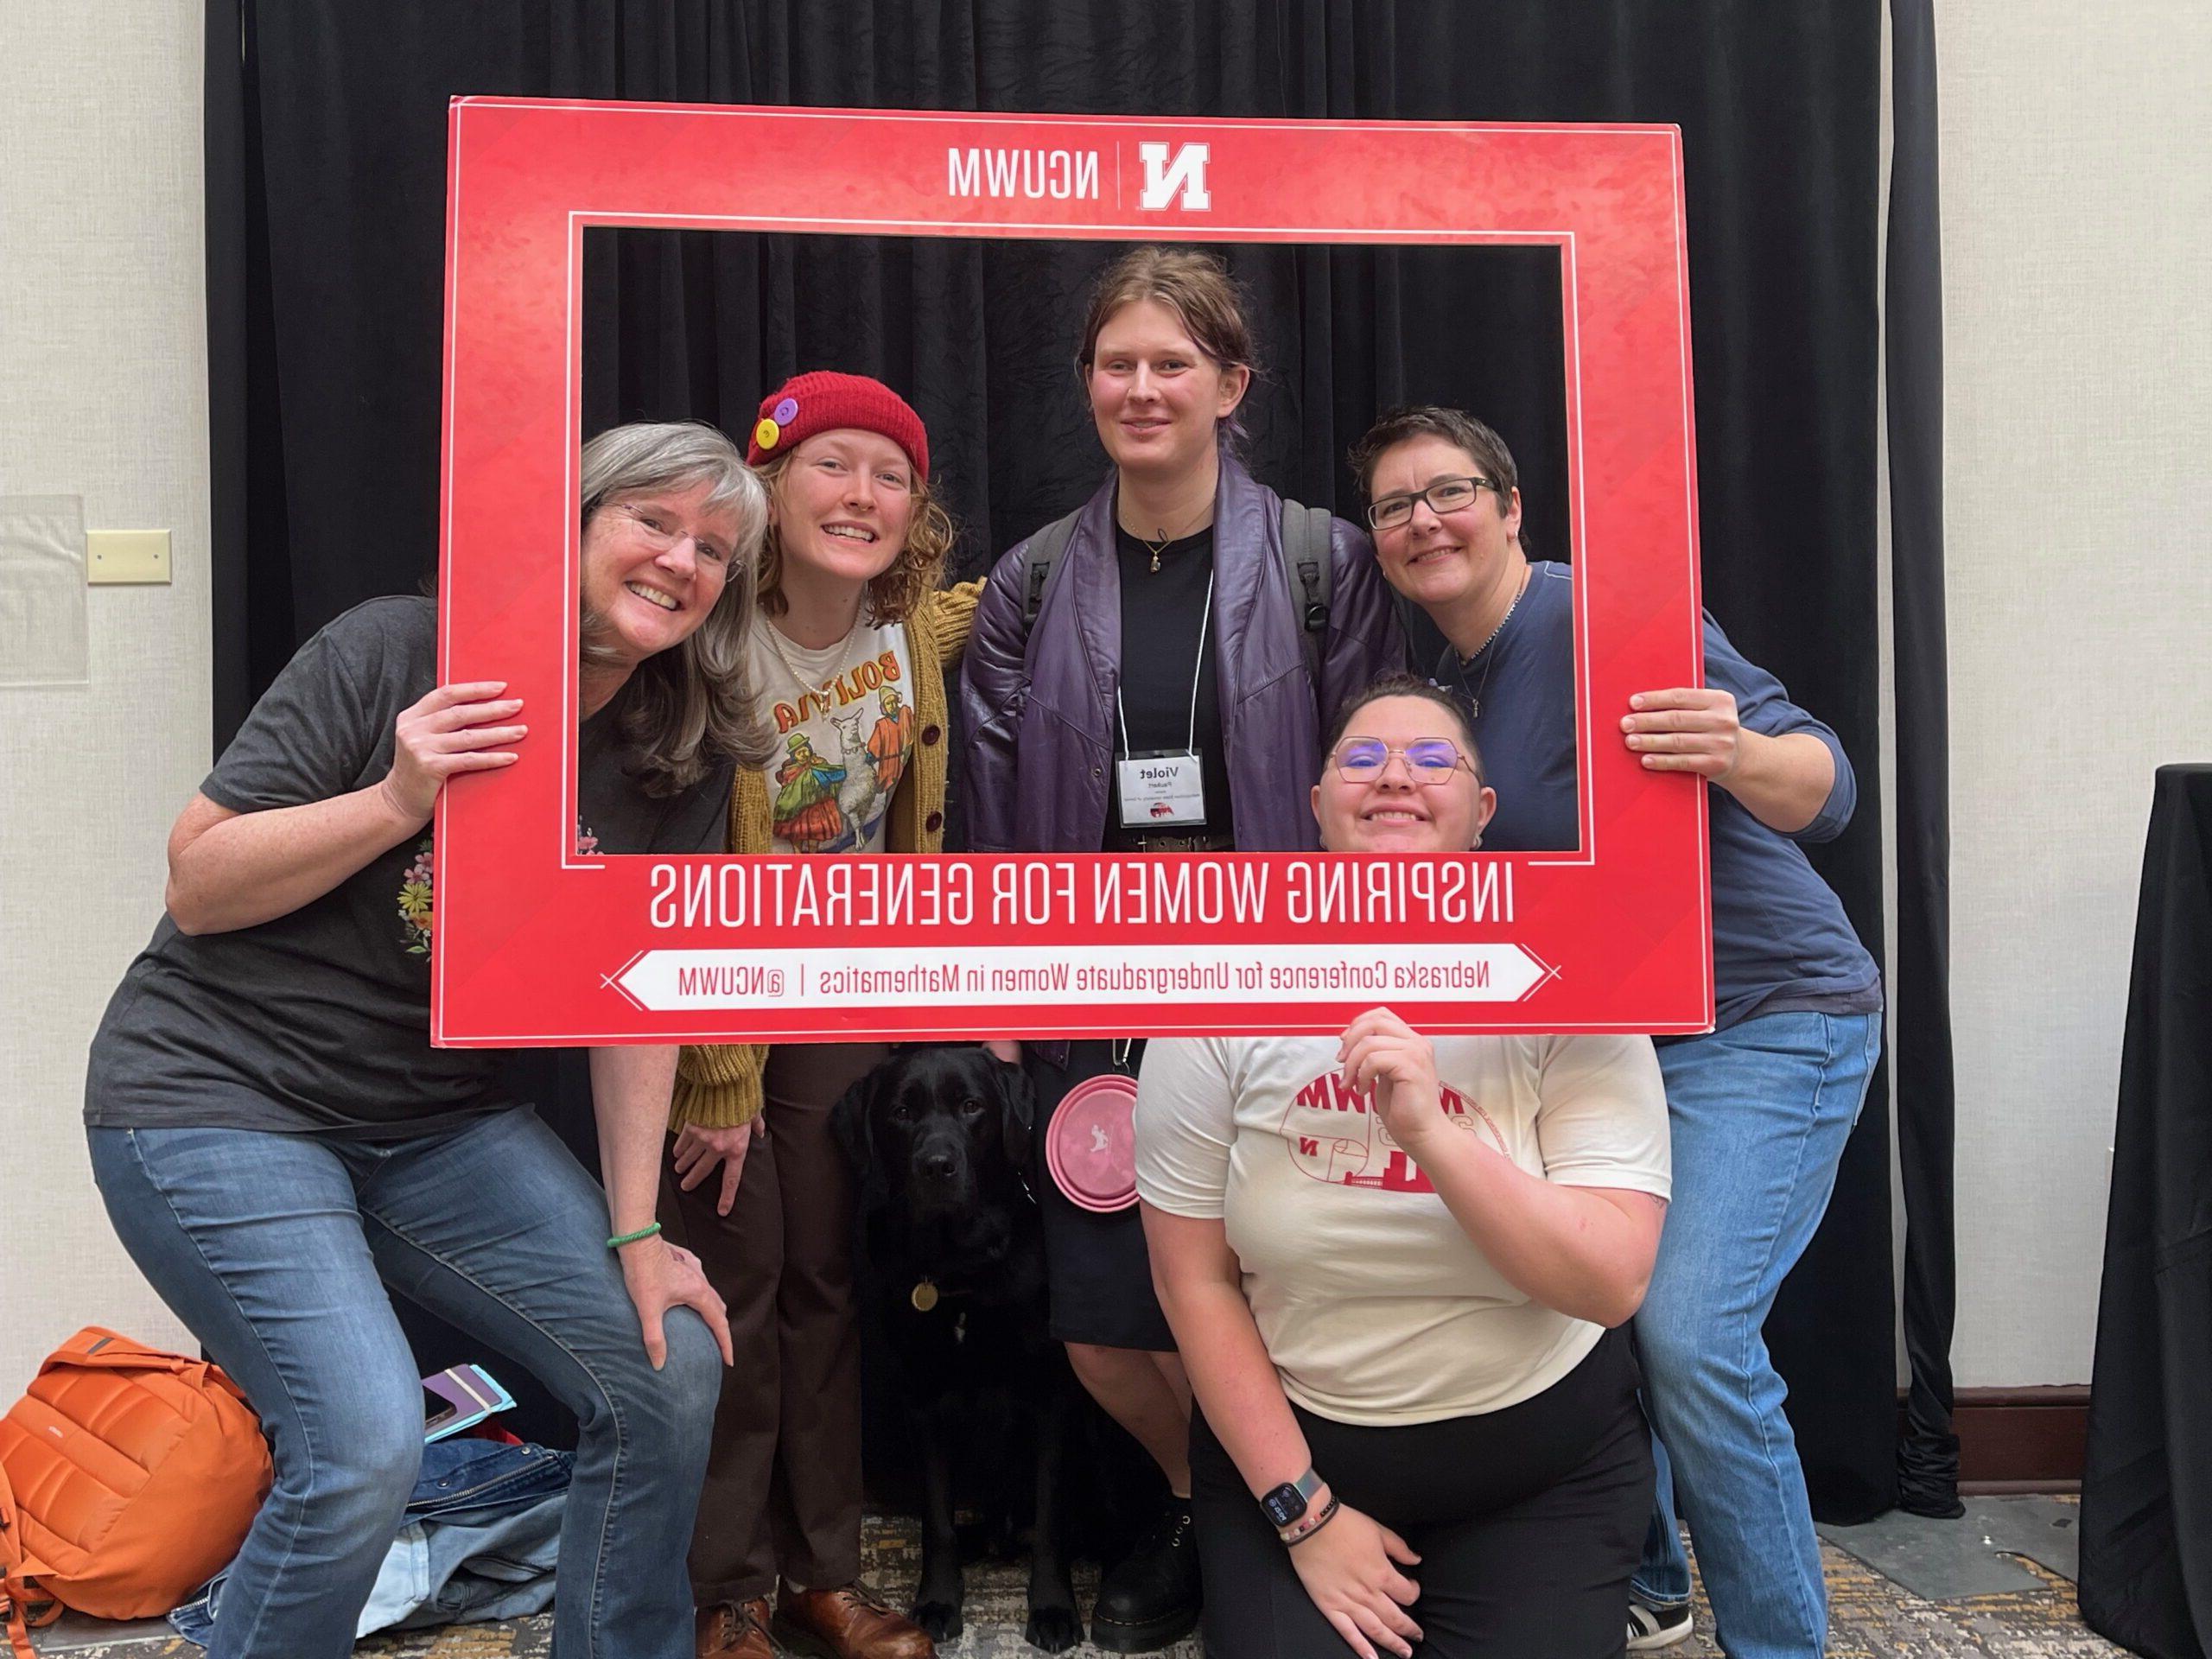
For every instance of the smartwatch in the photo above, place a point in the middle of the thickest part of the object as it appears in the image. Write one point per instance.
(1286, 1506)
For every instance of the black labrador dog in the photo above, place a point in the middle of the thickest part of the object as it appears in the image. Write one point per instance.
(952, 1264)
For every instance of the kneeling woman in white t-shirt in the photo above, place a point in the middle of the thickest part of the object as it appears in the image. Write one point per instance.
(1395, 1269)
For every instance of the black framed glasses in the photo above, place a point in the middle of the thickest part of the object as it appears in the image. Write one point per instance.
(1446, 495)
(1428, 759)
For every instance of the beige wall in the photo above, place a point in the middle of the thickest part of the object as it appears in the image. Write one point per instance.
(2077, 229)
(2077, 196)
(103, 394)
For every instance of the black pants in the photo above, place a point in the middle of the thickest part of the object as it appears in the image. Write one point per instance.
(1528, 1522)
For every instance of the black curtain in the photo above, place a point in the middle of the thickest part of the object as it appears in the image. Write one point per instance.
(326, 139)
(1928, 1457)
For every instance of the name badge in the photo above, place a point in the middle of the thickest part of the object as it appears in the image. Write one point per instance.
(1160, 791)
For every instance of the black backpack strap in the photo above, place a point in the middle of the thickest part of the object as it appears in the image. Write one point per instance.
(1305, 561)
(1037, 563)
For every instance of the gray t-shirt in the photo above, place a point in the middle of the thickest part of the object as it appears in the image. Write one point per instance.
(319, 1019)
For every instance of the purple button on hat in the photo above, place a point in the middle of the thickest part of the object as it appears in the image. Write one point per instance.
(1091, 1149)
(787, 411)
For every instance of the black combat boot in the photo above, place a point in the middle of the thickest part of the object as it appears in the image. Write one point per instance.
(1151, 1600)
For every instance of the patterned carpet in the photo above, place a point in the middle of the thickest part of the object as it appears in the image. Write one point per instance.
(1872, 1618)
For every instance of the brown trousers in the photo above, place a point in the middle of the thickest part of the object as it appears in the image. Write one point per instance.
(783, 1490)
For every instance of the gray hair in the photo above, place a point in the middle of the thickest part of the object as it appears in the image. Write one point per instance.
(687, 708)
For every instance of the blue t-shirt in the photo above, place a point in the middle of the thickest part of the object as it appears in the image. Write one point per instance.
(1780, 941)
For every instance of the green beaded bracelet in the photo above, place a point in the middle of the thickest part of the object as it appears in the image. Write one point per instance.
(620, 1239)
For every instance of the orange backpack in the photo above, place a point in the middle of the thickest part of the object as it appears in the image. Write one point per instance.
(128, 1478)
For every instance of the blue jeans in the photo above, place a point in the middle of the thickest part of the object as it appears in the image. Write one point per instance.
(276, 1250)
(1760, 1113)
(480, 1541)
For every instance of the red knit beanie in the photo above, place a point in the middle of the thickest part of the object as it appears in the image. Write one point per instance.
(826, 401)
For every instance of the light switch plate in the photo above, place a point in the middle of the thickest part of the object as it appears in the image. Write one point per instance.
(126, 556)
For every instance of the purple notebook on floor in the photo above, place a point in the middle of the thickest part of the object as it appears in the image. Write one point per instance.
(471, 1395)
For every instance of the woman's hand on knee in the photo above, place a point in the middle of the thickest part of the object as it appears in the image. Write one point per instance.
(661, 1275)
(1350, 1568)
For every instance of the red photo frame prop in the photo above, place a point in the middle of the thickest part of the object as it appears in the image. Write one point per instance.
(535, 943)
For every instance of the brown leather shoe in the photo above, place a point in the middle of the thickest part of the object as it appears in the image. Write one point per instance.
(849, 1623)
(734, 1629)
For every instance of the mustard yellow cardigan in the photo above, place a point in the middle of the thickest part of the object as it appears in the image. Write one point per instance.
(718, 1085)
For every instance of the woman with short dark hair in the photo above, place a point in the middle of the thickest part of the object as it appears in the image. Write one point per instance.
(1761, 1106)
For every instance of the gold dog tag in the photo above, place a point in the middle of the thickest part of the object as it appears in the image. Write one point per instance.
(924, 1297)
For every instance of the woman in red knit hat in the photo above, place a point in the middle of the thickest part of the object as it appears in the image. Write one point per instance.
(850, 647)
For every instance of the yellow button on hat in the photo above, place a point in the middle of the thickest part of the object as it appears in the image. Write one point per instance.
(767, 433)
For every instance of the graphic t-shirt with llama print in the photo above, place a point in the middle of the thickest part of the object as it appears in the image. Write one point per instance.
(844, 723)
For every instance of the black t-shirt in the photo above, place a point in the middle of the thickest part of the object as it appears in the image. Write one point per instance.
(1162, 612)
(319, 1019)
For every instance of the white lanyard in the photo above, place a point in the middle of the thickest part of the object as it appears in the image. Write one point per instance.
(1197, 670)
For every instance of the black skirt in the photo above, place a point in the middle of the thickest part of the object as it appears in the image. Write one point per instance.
(1100, 1271)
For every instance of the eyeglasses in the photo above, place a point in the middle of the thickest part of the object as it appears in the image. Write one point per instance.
(662, 532)
(1428, 759)
(1446, 495)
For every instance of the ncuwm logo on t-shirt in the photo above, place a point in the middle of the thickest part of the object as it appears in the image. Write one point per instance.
(1335, 1135)
(1172, 177)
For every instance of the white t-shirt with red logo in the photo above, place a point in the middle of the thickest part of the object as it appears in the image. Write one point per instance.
(1374, 1304)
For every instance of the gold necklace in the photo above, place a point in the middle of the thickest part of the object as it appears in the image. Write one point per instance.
(776, 645)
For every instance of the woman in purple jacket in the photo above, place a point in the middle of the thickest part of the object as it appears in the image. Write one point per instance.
(1166, 632)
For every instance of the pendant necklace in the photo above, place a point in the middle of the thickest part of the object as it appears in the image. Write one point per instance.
(1475, 697)
(1166, 541)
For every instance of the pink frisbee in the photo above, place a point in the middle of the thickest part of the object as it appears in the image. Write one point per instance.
(1091, 1147)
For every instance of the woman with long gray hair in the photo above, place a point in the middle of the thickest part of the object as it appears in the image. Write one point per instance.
(277, 1142)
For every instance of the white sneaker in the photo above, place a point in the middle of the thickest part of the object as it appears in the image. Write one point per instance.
(1650, 1629)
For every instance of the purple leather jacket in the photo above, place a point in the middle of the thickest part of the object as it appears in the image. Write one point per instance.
(1039, 714)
